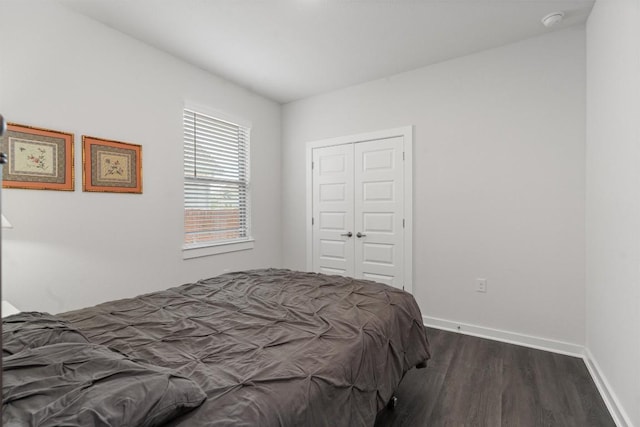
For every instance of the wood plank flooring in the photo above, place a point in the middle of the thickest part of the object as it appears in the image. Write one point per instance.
(472, 381)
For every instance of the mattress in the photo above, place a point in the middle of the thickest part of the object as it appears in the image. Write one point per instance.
(271, 347)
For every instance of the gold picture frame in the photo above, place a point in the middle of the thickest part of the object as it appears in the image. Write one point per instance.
(111, 166)
(38, 158)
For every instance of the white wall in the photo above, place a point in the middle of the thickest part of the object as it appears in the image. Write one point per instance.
(63, 71)
(498, 185)
(613, 199)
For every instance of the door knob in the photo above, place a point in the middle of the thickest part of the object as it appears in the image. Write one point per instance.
(349, 234)
(359, 235)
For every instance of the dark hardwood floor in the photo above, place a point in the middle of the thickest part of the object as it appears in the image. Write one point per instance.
(472, 381)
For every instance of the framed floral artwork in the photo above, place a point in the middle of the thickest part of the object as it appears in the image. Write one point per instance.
(111, 166)
(38, 159)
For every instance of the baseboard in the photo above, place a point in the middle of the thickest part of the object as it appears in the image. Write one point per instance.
(618, 414)
(554, 346)
(610, 399)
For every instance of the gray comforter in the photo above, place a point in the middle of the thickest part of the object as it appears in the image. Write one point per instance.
(271, 347)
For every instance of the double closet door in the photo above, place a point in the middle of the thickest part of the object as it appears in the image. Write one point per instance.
(357, 209)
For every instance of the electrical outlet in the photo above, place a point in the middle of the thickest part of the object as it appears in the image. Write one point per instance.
(481, 285)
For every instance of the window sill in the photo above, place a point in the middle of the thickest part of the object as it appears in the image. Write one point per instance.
(216, 249)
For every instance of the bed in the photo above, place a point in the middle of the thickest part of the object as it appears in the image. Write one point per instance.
(267, 347)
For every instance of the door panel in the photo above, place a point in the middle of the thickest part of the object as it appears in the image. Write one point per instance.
(377, 253)
(333, 192)
(378, 193)
(333, 210)
(332, 220)
(387, 280)
(379, 222)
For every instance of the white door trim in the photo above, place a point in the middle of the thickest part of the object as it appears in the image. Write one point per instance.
(406, 133)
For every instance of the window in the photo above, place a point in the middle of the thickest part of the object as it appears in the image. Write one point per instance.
(216, 181)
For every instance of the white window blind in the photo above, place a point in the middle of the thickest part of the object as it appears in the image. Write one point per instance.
(216, 180)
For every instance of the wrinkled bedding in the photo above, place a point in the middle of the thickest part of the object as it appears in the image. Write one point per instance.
(34, 329)
(271, 347)
(83, 384)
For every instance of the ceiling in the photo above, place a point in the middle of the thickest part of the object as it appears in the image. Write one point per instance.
(292, 49)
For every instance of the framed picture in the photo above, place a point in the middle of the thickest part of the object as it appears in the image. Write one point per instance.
(111, 166)
(39, 159)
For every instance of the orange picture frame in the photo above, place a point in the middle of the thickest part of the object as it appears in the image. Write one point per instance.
(111, 166)
(38, 158)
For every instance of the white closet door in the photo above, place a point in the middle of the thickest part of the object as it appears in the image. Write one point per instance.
(378, 211)
(333, 210)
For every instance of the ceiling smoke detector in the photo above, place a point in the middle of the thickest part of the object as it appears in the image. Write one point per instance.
(552, 19)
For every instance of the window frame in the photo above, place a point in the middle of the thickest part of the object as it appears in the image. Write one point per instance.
(190, 251)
